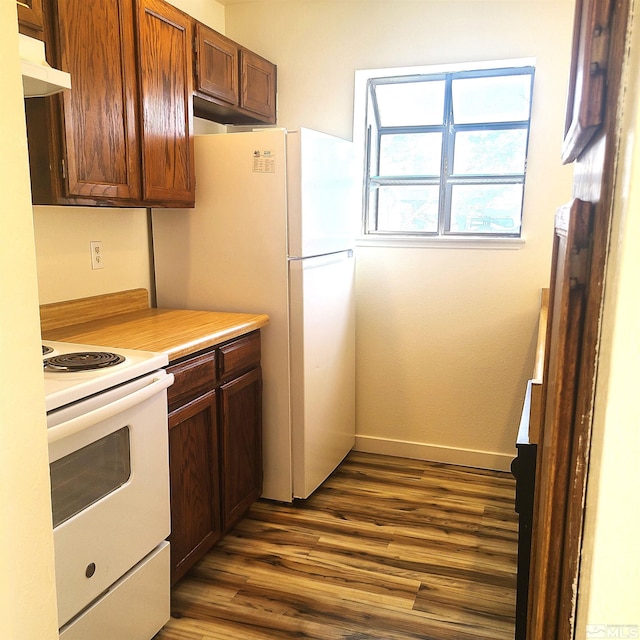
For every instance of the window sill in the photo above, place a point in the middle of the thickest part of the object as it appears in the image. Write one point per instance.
(407, 242)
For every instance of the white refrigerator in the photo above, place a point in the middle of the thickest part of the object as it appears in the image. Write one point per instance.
(273, 232)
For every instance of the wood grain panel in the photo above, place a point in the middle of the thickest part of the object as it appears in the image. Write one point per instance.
(100, 124)
(258, 85)
(193, 462)
(124, 320)
(165, 41)
(30, 18)
(71, 312)
(239, 356)
(241, 418)
(387, 548)
(567, 302)
(217, 65)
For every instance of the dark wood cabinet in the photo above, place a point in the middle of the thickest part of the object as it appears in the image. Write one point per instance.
(195, 482)
(258, 88)
(31, 18)
(240, 426)
(217, 65)
(215, 446)
(164, 36)
(233, 85)
(83, 142)
(122, 136)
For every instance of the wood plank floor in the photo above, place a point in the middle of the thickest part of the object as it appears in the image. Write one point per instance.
(386, 549)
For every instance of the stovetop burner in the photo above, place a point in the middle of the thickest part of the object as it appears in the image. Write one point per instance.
(46, 350)
(82, 361)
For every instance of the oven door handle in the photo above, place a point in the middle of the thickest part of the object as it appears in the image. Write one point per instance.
(66, 429)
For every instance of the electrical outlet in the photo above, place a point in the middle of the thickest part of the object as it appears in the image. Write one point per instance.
(96, 255)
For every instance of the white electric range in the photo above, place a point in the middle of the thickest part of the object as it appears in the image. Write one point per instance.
(63, 386)
(109, 465)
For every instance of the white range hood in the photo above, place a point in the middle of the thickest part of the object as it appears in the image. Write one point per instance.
(38, 78)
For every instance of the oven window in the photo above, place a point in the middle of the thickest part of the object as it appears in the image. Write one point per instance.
(88, 474)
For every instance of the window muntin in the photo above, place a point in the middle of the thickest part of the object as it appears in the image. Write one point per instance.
(446, 153)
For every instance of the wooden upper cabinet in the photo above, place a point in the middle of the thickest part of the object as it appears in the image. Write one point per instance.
(217, 65)
(99, 112)
(233, 85)
(165, 37)
(30, 18)
(258, 90)
(83, 145)
(122, 136)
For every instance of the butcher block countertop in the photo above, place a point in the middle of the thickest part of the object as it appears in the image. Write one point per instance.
(124, 319)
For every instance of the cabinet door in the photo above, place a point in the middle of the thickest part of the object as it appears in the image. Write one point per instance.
(241, 425)
(30, 18)
(100, 156)
(217, 65)
(195, 492)
(258, 91)
(166, 87)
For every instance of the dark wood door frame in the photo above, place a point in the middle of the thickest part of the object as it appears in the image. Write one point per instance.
(593, 141)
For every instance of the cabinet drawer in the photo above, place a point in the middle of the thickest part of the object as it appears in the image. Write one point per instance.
(192, 377)
(239, 355)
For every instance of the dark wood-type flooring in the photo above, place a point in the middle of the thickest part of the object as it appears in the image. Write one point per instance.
(386, 549)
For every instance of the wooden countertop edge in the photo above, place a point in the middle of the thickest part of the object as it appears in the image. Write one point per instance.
(176, 332)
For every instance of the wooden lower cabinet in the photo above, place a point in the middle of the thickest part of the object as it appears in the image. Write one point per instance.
(215, 446)
(195, 482)
(241, 431)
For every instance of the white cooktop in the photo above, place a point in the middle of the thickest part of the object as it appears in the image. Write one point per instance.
(64, 387)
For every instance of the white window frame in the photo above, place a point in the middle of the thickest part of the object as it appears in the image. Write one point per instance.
(362, 78)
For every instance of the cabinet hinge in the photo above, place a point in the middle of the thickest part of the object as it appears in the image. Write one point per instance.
(579, 264)
(599, 50)
(63, 169)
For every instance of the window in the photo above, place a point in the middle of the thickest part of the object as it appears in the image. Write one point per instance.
(446, 152)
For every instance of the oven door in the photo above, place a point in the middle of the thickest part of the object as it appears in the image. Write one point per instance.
(109, 467)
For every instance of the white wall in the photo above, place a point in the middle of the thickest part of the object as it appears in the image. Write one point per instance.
(27, 588)
(445, 336)
(609, 588)
(63, 233)
(62, 238)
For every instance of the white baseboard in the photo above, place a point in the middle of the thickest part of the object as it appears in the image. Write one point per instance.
(435, 453)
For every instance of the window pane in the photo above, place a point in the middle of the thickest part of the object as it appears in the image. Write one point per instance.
(410, 154)
(491, 99)
(487, 208)
(490, 152)
(408, 208)
(411, 103)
